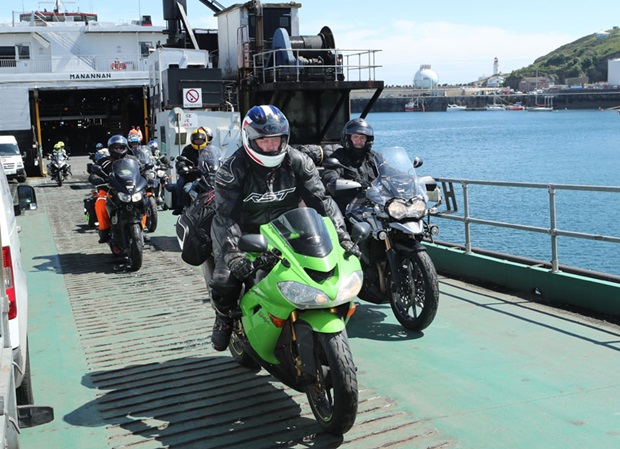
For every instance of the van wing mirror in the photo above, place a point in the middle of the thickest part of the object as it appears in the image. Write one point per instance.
(26, 197)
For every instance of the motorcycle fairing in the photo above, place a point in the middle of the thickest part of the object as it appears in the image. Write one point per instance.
(326, 323)
(322, 273)
(126, 177)
(409, 227)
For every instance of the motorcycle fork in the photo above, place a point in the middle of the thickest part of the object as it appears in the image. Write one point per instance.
(393, 261)
(302, 338)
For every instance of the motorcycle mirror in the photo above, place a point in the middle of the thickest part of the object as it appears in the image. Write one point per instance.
(332, 162)
(360, 232)
(417, 162)
(342, 185)
(253, 243)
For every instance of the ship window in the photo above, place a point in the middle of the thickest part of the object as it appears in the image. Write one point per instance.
(145, 49)
(7, 57)
(23, 52)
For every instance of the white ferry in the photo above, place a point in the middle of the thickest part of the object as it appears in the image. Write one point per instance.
(67, 76)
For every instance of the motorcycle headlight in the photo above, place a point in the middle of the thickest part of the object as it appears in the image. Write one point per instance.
(161, 173)
(126, 198)
(150, 176)
(399, 209)
(306, 297)
(350, 287)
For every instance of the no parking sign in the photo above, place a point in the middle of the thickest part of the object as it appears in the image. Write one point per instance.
(192, 98)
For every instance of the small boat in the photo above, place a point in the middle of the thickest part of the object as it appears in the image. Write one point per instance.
(547, 106)
(518, 106)
(415, 105)
(495, 106)
(456, 107)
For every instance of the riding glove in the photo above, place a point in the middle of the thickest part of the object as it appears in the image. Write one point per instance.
(239, 265)
(350, 248)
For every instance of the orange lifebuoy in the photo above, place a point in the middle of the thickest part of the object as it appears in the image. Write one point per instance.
(117, 65)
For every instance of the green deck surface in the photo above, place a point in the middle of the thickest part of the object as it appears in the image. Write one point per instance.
(492, 372)
(56, 355)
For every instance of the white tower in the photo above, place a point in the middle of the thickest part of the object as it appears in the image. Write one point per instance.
(495, 66)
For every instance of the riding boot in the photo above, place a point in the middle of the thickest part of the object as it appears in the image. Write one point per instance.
(104, 236)
(222, 329)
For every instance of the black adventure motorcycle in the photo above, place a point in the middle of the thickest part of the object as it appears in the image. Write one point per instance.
(396, 266)
(126, 205)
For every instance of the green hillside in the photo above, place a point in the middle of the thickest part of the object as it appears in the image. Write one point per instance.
(584, 57)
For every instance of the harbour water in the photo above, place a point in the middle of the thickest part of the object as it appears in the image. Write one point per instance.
(562, 147)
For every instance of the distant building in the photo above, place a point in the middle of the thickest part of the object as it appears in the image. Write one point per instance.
(530, 83)
(602, 34)
(613, 72)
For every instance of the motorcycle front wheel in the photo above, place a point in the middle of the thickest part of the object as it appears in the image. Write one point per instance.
(239, 355)
(59, 179)
(151, 215)
(136, 247)
(415, 298)
(333, 395)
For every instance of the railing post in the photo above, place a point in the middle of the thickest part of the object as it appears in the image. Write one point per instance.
(466, 219)
(553, 231)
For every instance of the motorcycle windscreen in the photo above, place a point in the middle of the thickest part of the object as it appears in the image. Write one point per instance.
(209, 160)
(144, 155)
(126, 175)
(58, 157)
(305, 232)
(397, 177)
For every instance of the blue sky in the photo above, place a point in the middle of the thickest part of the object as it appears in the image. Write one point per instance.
(458, 39)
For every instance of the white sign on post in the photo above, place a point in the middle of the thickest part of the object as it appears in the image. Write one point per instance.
(189, 120)
(192, 98)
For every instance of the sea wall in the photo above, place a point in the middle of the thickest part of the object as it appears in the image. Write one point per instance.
(577, 99)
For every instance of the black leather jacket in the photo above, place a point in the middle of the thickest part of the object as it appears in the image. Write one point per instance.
(247, 195)
(360, 167)
(190, 153)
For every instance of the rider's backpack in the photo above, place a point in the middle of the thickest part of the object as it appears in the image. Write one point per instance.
(194, 229)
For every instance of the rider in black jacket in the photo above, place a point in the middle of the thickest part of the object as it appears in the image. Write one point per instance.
(357, 157)
(199, 140)
(261, 180)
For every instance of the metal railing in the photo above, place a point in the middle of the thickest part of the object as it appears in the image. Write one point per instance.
(552, 230)
(304, 64)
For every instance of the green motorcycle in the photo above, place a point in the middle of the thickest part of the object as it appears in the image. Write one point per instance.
(292, 315)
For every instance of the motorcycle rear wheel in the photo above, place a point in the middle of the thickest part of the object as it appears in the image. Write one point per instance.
(333, 396)
(151, 215)
(415, 301)
(136, 247)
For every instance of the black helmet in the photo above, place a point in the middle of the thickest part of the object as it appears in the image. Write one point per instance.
(260, 122)
(357, 126)
(117, 146)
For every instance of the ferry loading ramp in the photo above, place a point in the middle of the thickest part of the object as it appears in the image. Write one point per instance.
(125, 359)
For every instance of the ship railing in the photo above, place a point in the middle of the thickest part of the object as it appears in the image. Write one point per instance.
(81, 64)
(315, 65)
(578, 209)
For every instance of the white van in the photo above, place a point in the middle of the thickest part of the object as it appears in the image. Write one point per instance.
(12, 159)
(15, 280)
(19, 411)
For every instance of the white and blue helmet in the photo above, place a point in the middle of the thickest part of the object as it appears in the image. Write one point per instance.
(265, 121)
